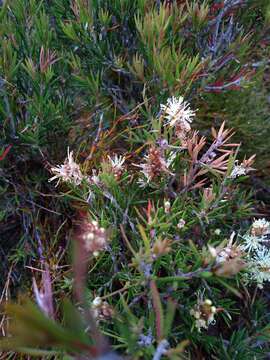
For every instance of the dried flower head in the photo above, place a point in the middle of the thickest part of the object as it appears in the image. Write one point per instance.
(231, 251)
(161, 247)
(67, 172)
(229, 259)
(204, 313)
(117, 165)
(223, 254)
(230, 267)
(155, 165)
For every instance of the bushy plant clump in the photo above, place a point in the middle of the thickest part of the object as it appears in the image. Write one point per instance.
(126, 210)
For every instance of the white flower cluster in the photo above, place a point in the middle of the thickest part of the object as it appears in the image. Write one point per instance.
(67, 172)
(157, 162)
(260, 266)
(70, 171)
(94, 237)
(243, 169)
(258, 252)
(117, 165)
(178, 111)
(204, 313)
(238, 170)
(179, 116)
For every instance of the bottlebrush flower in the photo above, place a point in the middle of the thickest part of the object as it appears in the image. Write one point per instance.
(67, 172)
(117, 165)
(179, 115)
(178, 111)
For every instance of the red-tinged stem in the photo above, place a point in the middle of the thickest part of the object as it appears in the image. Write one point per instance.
(6, 151)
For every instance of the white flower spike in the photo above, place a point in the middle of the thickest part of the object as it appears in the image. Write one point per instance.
(177, 111)
(67, 172)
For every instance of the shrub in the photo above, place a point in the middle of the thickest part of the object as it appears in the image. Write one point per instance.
(118, 147)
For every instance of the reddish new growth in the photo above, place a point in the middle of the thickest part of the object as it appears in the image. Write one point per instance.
(46, 59)
(216, 158)
(5, 152)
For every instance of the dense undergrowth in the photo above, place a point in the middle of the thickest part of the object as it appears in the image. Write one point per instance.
(121, 124)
